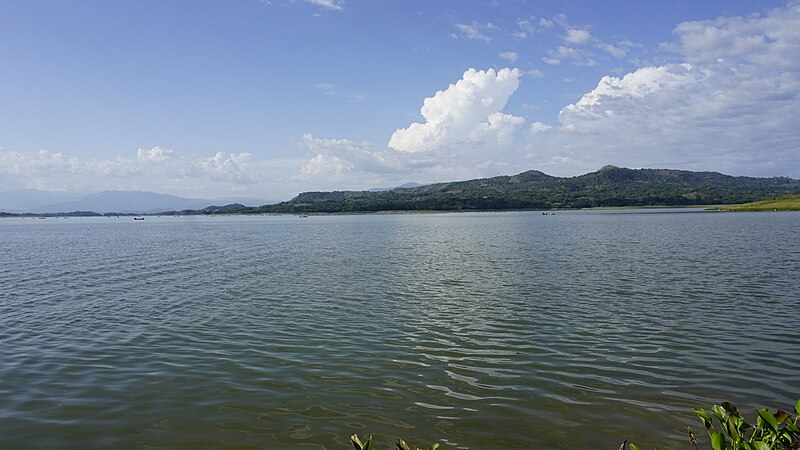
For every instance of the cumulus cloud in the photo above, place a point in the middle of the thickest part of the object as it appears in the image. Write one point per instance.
(539, 127)
(462, 136)
(729, 105)
(454, 114)
(498, 127)
(153, 155)
(151, 169)
(346, 164)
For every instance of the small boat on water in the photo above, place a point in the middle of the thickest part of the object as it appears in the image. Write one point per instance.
(138, 218)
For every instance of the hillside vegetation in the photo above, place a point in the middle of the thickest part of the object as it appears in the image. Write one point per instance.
(609, 186)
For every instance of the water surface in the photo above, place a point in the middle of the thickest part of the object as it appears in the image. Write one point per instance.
(477, 330)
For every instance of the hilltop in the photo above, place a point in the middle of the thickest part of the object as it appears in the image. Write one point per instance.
(609, 186)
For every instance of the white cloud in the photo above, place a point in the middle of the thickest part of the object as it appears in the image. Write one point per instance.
(452, 115)
(464, 135)
(152, 169)
(474, 31)
(527, 27)
(153, 155)
(346, 164)
(508, 56)
(498, 127)
(336, 5)
(578, 57)
(729, 106)
(327, 166)
(581, 46)
(539, 127)
(578, 36)
(616, 52)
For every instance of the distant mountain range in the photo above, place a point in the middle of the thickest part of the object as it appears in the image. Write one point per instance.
(609, 186)
(126, 202)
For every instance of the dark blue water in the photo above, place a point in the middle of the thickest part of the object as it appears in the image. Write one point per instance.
(478, 331)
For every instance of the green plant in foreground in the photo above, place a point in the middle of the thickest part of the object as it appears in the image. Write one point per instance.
(730, 431)
(401, 444)
(773, 431)
(776, 430)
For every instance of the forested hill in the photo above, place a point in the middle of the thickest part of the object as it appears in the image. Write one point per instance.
(609, 186)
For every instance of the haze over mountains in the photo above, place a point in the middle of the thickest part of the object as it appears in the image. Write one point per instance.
(36, 201)
(608, 187)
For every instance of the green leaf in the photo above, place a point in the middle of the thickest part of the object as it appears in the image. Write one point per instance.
(797, 407)
(633, 446)
(769, 419)
(434, 446)
(401, 445)
(730, 408)
(717, 441)
(704, 417)
(759, 445)
(719, 413)
(733, 429)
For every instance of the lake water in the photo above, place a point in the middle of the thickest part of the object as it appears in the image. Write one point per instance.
(475, 330)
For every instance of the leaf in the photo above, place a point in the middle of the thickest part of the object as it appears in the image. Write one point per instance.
(359, 445)
(356, 442)
(719, 413)
(730, 408)
(434, 446)
(717, 441)
(769, 419)
(401, 445)
(782, 416)
(704, 417)
(759, 445)
(797, 407)
(733, 429)
(633, 446)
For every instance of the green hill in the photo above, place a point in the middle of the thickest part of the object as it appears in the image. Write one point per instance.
(608, 187)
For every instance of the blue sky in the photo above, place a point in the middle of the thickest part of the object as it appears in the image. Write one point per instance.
(270, 98)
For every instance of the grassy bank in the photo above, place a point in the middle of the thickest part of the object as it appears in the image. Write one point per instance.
(788, 203)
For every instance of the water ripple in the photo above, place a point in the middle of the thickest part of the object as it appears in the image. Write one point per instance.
(479, 330)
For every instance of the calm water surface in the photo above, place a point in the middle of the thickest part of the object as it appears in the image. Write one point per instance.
(479, 331)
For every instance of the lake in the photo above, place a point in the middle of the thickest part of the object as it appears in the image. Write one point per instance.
(475, 330)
